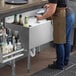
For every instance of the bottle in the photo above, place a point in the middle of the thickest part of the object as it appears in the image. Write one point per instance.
(1, 39)
(16, 36)
(5, 48)
(1, 49)
(10, 47)
(1, 35)
(7, 37)
(18, 45)
(14, 44)
(15, 19)
(20, 20)
(26, 22)
(4, 35)
(3, 32)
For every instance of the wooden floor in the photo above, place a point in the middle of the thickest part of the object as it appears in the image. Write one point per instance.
(40, 61)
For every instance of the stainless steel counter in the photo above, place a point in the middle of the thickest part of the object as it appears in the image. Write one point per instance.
(31, 37)
(9, 9)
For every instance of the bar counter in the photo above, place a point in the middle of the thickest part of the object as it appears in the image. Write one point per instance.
(30, 37)
(9, 9)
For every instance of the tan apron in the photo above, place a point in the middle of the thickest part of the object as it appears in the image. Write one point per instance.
(59, 26)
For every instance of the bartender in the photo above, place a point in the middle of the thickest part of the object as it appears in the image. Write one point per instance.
(63, 21)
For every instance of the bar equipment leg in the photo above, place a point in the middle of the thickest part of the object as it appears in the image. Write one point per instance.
(13, 68)
(28, 61)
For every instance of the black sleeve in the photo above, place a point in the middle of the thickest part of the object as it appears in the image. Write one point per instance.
(52, 1)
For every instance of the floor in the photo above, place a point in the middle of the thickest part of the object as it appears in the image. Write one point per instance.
(40, 61)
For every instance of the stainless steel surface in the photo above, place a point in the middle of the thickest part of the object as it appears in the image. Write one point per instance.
(41, 34)
(37, 35)
(8, 9)
(13, 68)
(28, 61)
(15, 2)
(4, 6)
(31, 37)
(1, 57)
(10, 56)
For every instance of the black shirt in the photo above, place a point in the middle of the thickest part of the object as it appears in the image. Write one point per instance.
(60, 3)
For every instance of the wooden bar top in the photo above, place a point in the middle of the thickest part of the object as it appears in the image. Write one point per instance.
(9, 8)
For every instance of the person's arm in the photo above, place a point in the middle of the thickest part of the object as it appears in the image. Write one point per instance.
(51, 7)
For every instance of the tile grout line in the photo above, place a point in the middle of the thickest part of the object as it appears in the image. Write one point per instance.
(70, 66)
(65, 69)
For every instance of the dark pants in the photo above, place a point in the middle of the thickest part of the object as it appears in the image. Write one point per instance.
(63, 50)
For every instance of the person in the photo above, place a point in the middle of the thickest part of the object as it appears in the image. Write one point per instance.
(63, 21)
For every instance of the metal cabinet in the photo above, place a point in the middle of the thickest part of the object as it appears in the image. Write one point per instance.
(38, 34)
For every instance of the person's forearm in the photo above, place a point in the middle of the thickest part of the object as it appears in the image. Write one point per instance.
(50, 11)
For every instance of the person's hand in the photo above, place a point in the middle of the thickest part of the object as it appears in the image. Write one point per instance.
(46, 6)
(39, 17)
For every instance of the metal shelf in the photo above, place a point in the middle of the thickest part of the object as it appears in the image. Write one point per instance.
(11, 56)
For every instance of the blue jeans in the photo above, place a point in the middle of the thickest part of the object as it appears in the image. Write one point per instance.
(63, 50)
